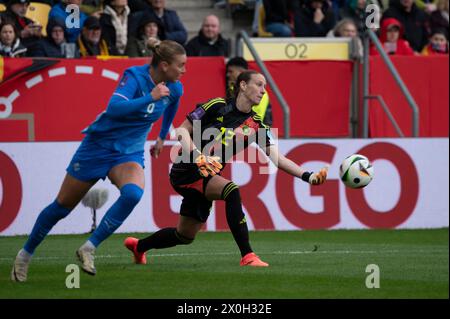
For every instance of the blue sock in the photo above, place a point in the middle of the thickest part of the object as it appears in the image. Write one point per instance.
(44, 223)
(130, 195)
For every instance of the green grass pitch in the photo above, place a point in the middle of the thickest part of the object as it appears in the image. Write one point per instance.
(303, 264)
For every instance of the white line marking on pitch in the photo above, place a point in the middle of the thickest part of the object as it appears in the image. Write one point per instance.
(234, 253)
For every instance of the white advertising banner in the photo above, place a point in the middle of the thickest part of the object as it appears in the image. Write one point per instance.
(410, 188)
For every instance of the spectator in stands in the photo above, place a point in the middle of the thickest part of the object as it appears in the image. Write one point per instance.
(391, 32)
(438, 44)
(55, 45)
(10, 45)
(29, 31)
(347, 28)
(209, 41)
(173, 27)
(278, 19)
(344, 28)
(114, 22)
(149, 30)
(59, 12)
(235, 66)
(314, 19)
(355, 10)
(439, 17)
(90, 41)
(414, 21)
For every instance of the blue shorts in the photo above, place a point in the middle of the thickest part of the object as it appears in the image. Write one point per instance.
(92, 162)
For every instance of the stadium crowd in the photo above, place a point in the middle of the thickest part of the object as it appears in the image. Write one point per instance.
(125, 27)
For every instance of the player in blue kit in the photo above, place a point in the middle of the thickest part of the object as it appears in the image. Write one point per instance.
(114, 147)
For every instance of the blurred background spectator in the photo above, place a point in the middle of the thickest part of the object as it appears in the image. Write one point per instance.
(347, 28)
(58, 11)
(148, 29)
(55, 44)
(209, 41)
(90, 41)
(438, 43)
(10, 45)
(278, 17)
(355, 10)
(28, 31)
(391, 33)
(414, 21)
(114, 22)
(314, 19)
(173, 27)
(439, 17)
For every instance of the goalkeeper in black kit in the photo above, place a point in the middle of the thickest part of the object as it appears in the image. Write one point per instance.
(224, 130)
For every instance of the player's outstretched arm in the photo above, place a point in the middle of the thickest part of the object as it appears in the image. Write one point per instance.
(207, 165)
(293, 169)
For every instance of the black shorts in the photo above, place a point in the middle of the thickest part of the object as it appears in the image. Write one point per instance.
(194, 203)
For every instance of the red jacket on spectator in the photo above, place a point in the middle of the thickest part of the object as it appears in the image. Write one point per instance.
(401, 47)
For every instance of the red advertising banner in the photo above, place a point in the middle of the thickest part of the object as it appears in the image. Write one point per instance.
(318, 95)
(427, 79)
(57, 102)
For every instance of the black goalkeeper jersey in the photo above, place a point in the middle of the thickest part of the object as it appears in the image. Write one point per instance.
(219, 129)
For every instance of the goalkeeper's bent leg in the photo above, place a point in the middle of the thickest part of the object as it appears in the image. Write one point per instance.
(236, 217)
(163, 238)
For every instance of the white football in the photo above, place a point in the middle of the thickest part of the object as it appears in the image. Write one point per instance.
(356, 171)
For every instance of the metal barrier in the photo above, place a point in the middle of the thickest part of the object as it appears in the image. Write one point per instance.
(286, 110)
(370, 35)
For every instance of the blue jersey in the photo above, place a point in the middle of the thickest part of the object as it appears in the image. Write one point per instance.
(131, 111)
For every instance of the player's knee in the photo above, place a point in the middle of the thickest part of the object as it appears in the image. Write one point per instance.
(231, 192)
(131, 193)
(183, 240)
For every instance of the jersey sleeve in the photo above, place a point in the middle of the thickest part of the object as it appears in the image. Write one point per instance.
(207, 111)
(122, 101)
(171, 111)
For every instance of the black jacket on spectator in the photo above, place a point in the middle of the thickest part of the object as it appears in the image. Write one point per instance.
(439, 22)
(415, 24)
(277, 10)
(305, 25)
(137, 5)
(200, 46)
(46, 47)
